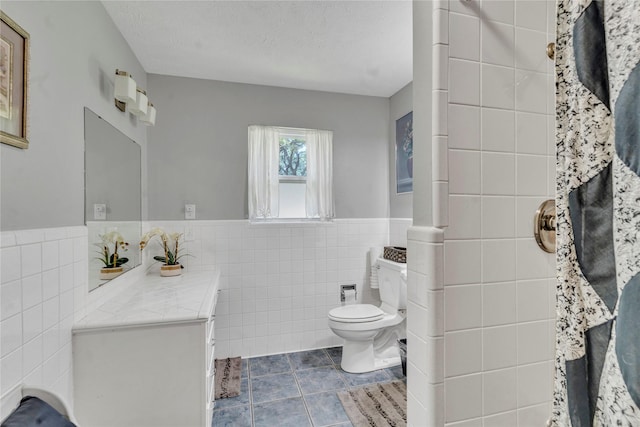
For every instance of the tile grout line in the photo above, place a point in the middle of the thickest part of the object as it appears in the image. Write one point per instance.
(304, 402)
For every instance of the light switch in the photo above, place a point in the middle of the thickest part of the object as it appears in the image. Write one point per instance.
(99, 211)
(189, 211)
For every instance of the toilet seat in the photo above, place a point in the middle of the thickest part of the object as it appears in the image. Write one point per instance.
(356, 313)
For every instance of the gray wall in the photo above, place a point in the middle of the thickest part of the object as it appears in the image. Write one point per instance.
(75, 49)
(198, 148)
(401, 103)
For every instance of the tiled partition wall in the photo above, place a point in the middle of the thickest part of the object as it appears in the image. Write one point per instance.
(44, 288)
(499, 287)
(279, 280)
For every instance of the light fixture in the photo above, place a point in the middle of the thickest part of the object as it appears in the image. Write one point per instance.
(149, 119)
(139, 105)
(128, 94)
(125, 89)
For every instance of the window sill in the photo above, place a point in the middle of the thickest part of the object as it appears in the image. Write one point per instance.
(267, 221)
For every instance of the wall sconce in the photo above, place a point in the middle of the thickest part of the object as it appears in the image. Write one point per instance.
(127, 93)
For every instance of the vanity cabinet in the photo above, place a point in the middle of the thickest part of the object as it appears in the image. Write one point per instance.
(146, 356)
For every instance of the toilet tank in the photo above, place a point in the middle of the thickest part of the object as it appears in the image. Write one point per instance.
(393, 285)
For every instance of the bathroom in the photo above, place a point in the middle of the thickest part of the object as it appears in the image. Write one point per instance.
(481, 293)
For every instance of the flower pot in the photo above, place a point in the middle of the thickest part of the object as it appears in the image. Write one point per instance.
(109, 273)
(170, 270)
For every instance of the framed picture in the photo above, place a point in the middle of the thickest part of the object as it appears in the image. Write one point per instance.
(404, 154)
(14, 82)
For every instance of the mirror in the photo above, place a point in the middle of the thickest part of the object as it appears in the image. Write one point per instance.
(113, 199)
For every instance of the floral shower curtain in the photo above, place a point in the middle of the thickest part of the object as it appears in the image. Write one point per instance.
(597, 379)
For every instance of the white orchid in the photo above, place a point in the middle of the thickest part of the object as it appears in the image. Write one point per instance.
(109, 259)
(170, 243)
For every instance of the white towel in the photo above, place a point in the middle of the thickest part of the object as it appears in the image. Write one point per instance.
(374, 254)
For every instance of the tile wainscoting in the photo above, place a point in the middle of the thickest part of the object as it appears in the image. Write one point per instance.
(44, 289)
(279, 280)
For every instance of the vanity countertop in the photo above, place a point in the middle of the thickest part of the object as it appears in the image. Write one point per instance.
(153, 299)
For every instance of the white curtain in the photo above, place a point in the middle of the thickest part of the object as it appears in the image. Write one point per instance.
(319, 194)
(263, 172)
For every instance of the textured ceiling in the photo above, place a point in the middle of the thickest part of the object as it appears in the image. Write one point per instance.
(357, 47)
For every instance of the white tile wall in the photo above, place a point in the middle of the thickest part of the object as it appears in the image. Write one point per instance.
(279, 280)
(498, 285)
(43, 289)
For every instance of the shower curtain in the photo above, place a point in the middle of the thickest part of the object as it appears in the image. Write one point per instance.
(597, 381)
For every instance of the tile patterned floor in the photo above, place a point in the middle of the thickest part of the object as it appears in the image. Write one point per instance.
(294, 390)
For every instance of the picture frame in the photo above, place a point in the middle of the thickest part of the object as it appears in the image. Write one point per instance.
(404, 154)
(14, 83)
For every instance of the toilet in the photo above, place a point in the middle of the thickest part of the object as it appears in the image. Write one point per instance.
(370, 333)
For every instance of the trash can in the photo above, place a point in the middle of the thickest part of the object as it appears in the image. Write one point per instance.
(402, 344)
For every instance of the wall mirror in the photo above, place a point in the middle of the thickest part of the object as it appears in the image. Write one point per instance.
(113, 200)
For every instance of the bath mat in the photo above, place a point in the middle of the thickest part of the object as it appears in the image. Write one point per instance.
(228, 377)
(376, 405)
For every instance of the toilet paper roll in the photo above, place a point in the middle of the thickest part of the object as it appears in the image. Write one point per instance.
(349, 297)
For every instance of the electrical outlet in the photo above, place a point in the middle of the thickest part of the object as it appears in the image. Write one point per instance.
(189, 211)
(99, 211)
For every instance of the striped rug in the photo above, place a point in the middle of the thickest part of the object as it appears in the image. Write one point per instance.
(378, 405)
(228, 377)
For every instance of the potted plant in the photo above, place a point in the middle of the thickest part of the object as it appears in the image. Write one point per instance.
(171, 246)
(112, 261)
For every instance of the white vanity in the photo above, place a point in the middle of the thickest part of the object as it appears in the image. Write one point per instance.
(146, 356)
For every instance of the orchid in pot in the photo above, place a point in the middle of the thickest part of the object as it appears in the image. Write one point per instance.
(171, 247)
(113, 262)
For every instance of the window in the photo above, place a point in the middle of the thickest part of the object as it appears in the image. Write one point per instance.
(290, 173)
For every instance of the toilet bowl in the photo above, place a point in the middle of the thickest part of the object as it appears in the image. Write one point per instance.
(370, 333)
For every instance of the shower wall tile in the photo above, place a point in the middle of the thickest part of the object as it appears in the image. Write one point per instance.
(463, 352)
(499, 390)
(463, 262)
(464, 82)
(536, 415)
(498, 260)
(463, 397)
(464, 172)
(498, 130)
(440, 78)
(440, 27)
(531, 91)
(534, 383)
(498, 284)
(464, 37)
(464, 127)
(499, 347)
(440, 158)
(528, 183)
(533, 300)
(497, 43)
(498, 173)
(531, 133)
(533, 343)
(499, 304)
(531, 14)
(529, 56)
(465, 7)
(505, 419)
(461, 307)
(498, 217)
(464, 217)
(498, 10)
(497, 87)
